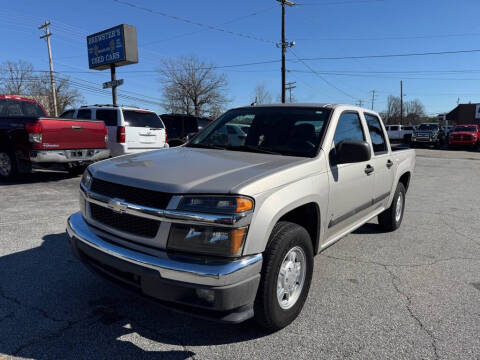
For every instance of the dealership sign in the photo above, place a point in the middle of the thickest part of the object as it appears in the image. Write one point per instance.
(115, 46)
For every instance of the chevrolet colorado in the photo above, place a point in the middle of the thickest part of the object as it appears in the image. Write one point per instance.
(28, 136)
(230, 231)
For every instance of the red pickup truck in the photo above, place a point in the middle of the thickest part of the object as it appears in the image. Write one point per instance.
(28, 136)
(465, 135)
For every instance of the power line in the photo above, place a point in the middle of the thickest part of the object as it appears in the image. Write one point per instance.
(255, 13)
(188, 21)
(320, 76)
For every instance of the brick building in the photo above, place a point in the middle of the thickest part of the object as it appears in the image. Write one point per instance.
(465, 114)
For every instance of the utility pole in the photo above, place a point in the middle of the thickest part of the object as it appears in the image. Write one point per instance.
(284, 45)
(373, 97)
(289, 86)
(401, 102)
(52, 79)
(360, 103)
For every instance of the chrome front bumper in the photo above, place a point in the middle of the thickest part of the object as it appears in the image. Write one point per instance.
(67, 156)
(182, 269)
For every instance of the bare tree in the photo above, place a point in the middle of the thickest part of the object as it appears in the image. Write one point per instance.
(262, 95)
(16, 77)
(19, 78)
(191, 86)
(67, 96)
(415, 111)
(391, 114)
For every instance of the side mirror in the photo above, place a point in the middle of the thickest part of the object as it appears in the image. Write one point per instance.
(352, 151)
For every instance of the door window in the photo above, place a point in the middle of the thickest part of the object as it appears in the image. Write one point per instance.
(68, 114)
(376, 134)
(85, 114)
(109, 117)
(349, 127)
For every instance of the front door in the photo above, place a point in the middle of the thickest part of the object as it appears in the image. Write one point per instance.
(351, 185)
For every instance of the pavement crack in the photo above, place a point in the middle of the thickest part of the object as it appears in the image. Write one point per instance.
(45, 314)
(431, 263)
(53, 335)
(411, 313)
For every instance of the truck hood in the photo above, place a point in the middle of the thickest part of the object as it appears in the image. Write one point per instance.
(192, 170)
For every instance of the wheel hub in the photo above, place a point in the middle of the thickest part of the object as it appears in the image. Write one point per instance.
(291, 277)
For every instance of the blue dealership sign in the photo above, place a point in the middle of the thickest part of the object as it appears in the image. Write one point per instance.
(117, 45)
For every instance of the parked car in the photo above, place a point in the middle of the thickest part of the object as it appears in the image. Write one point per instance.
(181, 128)
(28, 136)
(130, 129)
(465, 135)
(230, 231)
(428, 134)
(401, 133)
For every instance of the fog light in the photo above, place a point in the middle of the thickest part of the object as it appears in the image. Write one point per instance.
(206, 294)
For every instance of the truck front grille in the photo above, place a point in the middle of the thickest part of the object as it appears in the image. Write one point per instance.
(125, 222)
(131, 194)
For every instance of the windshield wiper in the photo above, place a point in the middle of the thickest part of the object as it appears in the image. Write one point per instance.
(252, 148)
(206, 146)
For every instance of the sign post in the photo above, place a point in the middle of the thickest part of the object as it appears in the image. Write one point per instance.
(111, 48)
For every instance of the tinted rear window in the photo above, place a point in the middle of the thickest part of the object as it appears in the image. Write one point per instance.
(9, 107)
(142, 119)
(68, 114)
(109, 117)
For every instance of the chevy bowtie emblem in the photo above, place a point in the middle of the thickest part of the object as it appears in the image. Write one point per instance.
(117, 205)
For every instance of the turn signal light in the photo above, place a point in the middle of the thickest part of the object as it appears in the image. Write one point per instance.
(244, 204)
(121, 134)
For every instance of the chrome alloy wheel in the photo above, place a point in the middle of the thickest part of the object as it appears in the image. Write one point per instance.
(5, 164)
(291, 277)
(399, 207)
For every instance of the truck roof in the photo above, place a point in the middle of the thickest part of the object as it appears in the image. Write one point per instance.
(17, 97)
(324, 105)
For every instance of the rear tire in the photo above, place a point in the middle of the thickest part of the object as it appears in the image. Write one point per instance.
(286, 276)
(8, 165)
(391, 219)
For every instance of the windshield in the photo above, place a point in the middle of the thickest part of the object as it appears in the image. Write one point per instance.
(9, 107)
(136, 118)
(465, 128)
(428, 127)
(292, 131)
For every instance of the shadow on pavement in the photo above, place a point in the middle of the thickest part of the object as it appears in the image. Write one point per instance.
(51, 306)
(39, 176)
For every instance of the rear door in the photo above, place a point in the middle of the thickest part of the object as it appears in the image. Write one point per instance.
(382, 162)
(143, 130)
(110, 118)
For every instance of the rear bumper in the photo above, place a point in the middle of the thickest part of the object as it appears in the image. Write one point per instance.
(67, 156)
(216, 289)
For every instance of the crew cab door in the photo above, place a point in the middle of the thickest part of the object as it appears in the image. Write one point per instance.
(351, 185)
(382, 160)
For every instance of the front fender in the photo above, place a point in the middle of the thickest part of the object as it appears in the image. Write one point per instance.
(271, 205)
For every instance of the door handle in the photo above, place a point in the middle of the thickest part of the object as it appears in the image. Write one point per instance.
(369, 169)
(389, 163)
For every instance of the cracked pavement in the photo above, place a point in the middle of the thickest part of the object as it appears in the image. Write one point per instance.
(410, 294)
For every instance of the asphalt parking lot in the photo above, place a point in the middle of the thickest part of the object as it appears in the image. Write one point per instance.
(411, 294)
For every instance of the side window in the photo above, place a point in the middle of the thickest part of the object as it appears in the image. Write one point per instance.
(190, 125)
(68, 114)
(349, 127)
(85, 114)
(109, 117)
(376, 133)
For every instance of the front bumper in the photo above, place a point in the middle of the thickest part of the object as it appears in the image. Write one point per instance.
(462, 142)
(68, 156)
(222, 290)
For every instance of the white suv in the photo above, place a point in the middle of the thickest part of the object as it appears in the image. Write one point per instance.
(130, 129)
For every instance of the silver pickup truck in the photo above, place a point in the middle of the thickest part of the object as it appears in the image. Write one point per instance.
(229, 232)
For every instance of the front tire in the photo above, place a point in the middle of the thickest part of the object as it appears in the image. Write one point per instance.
(286, 276)
(391, 219)
(8, 166)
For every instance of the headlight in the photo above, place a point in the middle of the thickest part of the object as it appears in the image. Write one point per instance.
(87, 179)
(207, 240)
(216, 204)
